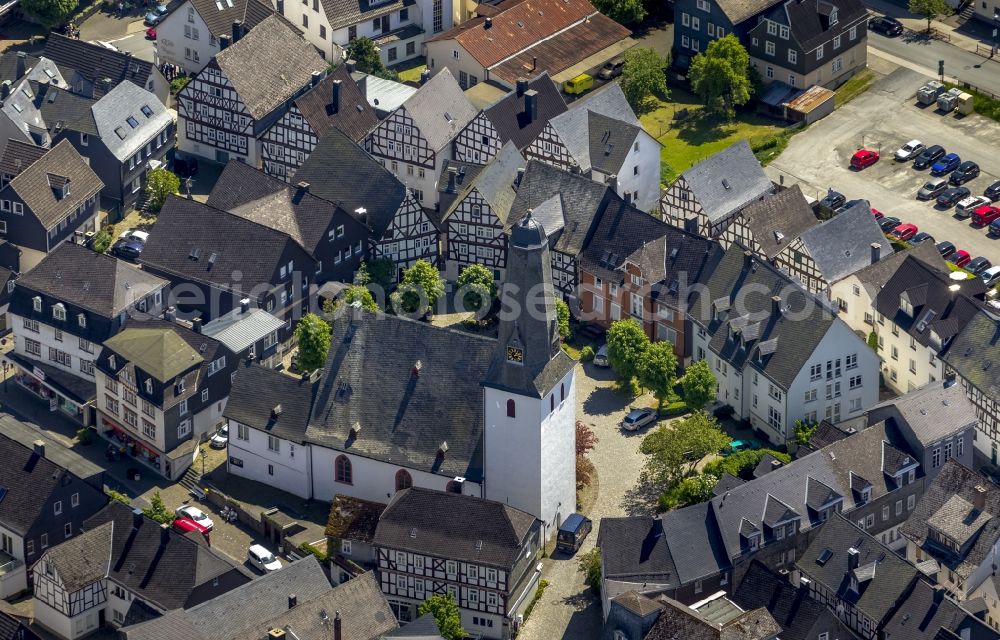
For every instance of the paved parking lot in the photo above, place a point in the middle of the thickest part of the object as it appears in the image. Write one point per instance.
(886, 117)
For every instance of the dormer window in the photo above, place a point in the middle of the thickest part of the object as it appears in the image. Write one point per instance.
(81, 320)
(905, 306)
(866, 494)
(833, 16)
(111, 362)
(36, 303)
(180, 385)
(149, 386)
(59, 311)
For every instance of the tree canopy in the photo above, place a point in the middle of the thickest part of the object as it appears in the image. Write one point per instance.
(699, 384)
(562, 315)
(366, 56)
(360, 293)
(420, 289)
(721, 75)
(627, 12)
(657, 370)
(313, 336)
(679, 445)
(626, 344)
(159, 184)
(929, 9)
(445, 611)
(380, 272)
(477, 287)
(49, 13)
(643, 78)
(158, 511)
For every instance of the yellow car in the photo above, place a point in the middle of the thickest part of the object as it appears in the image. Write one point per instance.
(580, 84)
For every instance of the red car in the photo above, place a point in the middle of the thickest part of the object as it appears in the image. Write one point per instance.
(984, 215)
(905, 231)
(151, 33)
(878, 214)
(863, 158)
(185, 525)
(960, 258)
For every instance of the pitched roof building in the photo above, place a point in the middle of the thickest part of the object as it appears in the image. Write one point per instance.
(92, 70)
(846, 243)
(929, 613)
(193, 32)
(971, 356)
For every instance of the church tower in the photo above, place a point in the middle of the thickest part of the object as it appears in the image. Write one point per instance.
(530, 392)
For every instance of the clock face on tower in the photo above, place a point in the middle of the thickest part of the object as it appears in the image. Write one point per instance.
(515, 354)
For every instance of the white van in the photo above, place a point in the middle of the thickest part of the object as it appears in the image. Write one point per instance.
(262, 559)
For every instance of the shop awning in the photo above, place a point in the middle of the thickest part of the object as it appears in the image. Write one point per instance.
(76, 389)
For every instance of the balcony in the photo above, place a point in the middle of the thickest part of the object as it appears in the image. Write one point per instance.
(13, 576)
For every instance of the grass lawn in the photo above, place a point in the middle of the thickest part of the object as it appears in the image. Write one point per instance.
(410, 70)
(854, 87)
(687, 142)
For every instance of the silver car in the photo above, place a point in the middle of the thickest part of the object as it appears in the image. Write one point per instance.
(932, 189)
(601, 357)
(910, 150)
(638, 418)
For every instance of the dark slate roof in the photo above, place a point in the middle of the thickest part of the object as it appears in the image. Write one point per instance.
(937, 507)
(777, 221)
(941, 306)
(239, 244)
(257, 391)
(929, 609)
(90, 280)
(440, 110)
(510, 120)
(739, 10)
(635, 548)
(95, 63)
(35, 188)
(18, 156)
(794, 338)
(580, 199)
(355, 118)
(62, 109)
(70, 459)
(28, 481)
(932, 412)
(874, 277)
(727, 181)
(269, 65)
(423, 628)
(369, 380)
(610, 142)
(83, 560)
(494, 182)
(111, 115)
(342, 13)
(252, 194)
(726, 483)
(454, 526)
(154, 562)
(637, 603)
(353, 518)
(680, 622)
(219, 17)
(826, 434)
(576, 132)
(340, 171)
(842, 245)
(974, 352)
(810, 24)
(12, 628)
(695, 542)
(892, 574)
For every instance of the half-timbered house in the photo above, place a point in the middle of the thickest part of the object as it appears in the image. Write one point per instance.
(416, 139)
(518, 117)
(123, 569)
(193, 32)
(705, 198)
(476, 212)
(481, 552)
(247, 87)
(400, 229)
(601, 137)
(335, 102)
(969, 362)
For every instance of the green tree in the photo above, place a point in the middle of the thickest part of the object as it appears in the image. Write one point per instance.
(688, 491)
(743, 463)
(380, 272)
(365, 54)
(360, 293)
(120, 497)
(699, 385)
(873, 341)
(479, 287)
(313, 336)
(721, 75)
(657, 370)
(626, 344)
(929, 9)
(590, 565)
(158, 511)
(445, 611)
(49, 13)
(421, 287)
(159, 184)
(562, 316)
(622, 11)
(804, 431)
(681, 445)
(104, 238)
(643, 78)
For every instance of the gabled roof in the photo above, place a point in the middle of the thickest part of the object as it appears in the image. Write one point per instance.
(739, 10)
(83, 560)
(777, 221)
(369, 381)
(343, 13)
(340, 171)
(18, 156)
(454, 526)
(269, 65)
(34, 187)
(160, 351)
(270, 401)
(874, 277)
(219, 15)
(810, 25)
(576, 132)
(636, 549)
(610, 142)
(695, 542)
(239, 329)
(727, 181)
(15, 65)
(930, 413)
(423, 628)
(679, 622)
(494, 182)
(96, 63)
(440, 110)
(91, 280)
(510, 119)
(128, 117)
(353, 518)
(62, 109)
(974, 352)
(355, 117)
(843, 244)
(637, 603)
(928, 610)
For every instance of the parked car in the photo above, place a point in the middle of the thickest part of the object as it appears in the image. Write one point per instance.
(945, 248)
(611, 69)
(850, 203)
(130, 244)
(929, 156)
(864, 158)
(910, 150)
(220, 439)
(735, 446)
(949, 197)
(985, 215)
(580, 84)
(878, 214)
(960, 258)
(886, 25)
(152, 18)
(638, 418)
(932, 189)
(966, 171)
(994, 228)
(151, 33)
(991, 276)
(601, 357)
(262, 559)
(921, 237)
(889, 223)
(185, 525)
(993, 191)
(966, 207)
(978, 265)
(572, 532)
(196, 514)
(904, 231)
(833, 200)
(946, 164)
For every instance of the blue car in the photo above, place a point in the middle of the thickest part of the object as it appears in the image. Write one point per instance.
(946, 164)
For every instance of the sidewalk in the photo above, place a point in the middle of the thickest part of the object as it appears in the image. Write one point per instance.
(918, 24)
